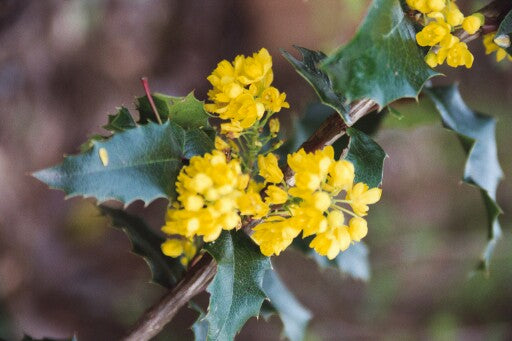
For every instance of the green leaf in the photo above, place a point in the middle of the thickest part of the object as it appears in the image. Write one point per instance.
(121, 121)
(166, 271)
(506, 29)
(294, 316)
(200, 326)
(236, 292)
(367, 157)
(382, 62)
(143, 164)
(353, 261)
(187, 111)
(309, 70)
(482, 170)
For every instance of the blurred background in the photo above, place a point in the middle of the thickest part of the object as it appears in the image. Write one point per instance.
(64, 65)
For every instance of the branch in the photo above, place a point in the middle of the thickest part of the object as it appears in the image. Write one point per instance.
(154, 320)
(199, 275)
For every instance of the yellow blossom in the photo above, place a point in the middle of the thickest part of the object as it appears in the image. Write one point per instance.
(254, 69)
(251, 204)
(275, 234)
(358, 228)
(331, 242)
(459, 55)
(179, 247)
(473, 23)
(453, 15)
(491, 46)
(220, 144)
(274, 126)
(433, 33)
(431, 59)
(273, 100)
(208, 189)
(275, 195)
(269, 168)
(360, 196)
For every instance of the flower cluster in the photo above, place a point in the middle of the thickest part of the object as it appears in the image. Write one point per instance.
(490, 43)
(242, 92)
(208, 192)
(241, 181)
(316, 206)
(441, 18)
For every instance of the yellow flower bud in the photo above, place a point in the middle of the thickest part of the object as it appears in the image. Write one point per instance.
(275, 195)
(269, 169)
(274, 126)
(472, 23)
(358, 228)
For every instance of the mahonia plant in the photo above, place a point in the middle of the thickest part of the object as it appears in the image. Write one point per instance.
(239, 195)
(241, 179)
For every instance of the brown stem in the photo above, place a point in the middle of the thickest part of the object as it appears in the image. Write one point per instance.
(154, 320)
(200, 274)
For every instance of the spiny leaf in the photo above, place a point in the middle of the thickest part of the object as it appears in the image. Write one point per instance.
(186, 111)
(121, 121)
(200, 326)
(382, 62)
(353, 261)
(367, 157)
(165, 271)
(236, 291)
(294, 316)
(309, 70)
(141, 164)
(506, 29)
(477, 135)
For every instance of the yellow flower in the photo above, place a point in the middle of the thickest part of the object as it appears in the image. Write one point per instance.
(358, 228)
(275, 195)
(360, 196)
(331, 242)
(433, 33)
(220, 144)
(179, 247)
(274, 126)
(245, 110)
(273, 100)
(269, 169)
(253, 69)
(459, 55)
(427, 6)
(431, 59)
(231, 129)
(453, 15)
(275, 234)
(473, 23)
(491, 46)
(208, 189)
(250, 203)
(342, 175)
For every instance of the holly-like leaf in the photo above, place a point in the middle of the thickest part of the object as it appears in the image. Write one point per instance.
(353, 261)
(308, 68)
(186, 111)
(382, 62)
(166, 271)
(236, 292)
(294, 316)
(137, 164)
(482, 170)
(505, 29)
(121, 121)
(367, 157)
(200, 326)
